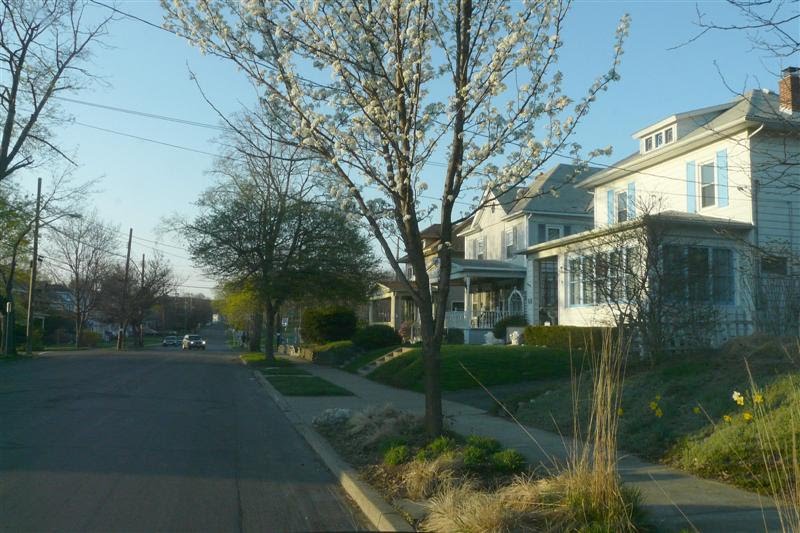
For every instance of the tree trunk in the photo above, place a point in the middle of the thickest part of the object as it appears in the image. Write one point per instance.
(78, 334)
(431, 349)
(255, 333)
(270, 311)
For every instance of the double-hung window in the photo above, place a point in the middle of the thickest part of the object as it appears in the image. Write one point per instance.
(510, 242)
(480, 248)
(708, 186)
(699, 274)
(622, 206)
(574, 276)
(554, 232)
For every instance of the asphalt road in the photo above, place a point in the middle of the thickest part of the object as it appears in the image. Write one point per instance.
(159, 440)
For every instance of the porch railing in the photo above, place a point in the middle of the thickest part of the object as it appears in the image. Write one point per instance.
(480, 320)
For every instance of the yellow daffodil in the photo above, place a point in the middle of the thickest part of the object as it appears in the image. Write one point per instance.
(696, 410)
(747, 416)
(727, 418)
(659, 413)
(738, 398)
(658, 397)
(653, 406)
(758, 398)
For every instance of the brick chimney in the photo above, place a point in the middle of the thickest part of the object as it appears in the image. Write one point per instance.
(790, 90)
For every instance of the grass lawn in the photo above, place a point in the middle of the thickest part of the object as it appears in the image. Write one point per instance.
(283, 371)
(492, 365)
(306, 386)
(366, 358)
(259, 359)
(674, 410)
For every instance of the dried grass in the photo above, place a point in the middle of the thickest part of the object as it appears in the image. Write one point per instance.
(376, 424)
(422, 479)
(465, 509)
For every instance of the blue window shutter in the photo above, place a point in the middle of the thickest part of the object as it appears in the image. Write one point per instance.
(631, 200)
(722, 178)
(567, 230)
(691, 197)
(610, 207)
(541, 233)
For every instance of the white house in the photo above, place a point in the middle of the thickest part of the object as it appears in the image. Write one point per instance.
(493, 274)
(724, 183)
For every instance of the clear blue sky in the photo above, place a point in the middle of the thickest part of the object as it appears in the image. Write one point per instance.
(146, 69)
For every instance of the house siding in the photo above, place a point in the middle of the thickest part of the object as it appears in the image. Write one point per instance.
(778, 193)
(663, 187)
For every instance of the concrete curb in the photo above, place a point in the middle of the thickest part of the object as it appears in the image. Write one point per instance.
(382, 515)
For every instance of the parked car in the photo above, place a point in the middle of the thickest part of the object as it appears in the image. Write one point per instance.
(170, 340)
(191, 342)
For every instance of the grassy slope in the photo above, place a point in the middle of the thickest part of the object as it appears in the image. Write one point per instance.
(492, 365)
(367, 357)
(701, 442)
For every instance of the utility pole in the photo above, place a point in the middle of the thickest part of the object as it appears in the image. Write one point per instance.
(34, 264)
(141, 324)
(121, 334)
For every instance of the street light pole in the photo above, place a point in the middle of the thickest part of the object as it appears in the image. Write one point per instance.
(34, 263)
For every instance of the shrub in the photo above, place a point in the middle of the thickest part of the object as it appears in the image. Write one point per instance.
(499, 329)
(377, 336)
(488, 444)
(475, 458)
(333, 353)
(507, 462)
(564, 337)
(90, 339)
(326, 324)
(405, 330)
(396, 455)
(454, 336)
(436, 448)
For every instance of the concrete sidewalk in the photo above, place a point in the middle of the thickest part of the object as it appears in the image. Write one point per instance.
(675, 500)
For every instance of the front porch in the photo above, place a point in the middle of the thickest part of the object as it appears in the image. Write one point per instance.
(493, 290)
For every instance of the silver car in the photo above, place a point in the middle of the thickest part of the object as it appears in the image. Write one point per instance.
(191, 342)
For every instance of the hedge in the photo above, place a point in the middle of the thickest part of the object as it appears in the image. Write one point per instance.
(564, 337)
(328, 324)
(376, 336)
(330, 354)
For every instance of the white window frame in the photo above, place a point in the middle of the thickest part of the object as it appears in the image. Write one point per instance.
(480, 248)
(714, 183)
(648, 143)
(509, 242)
(671, 132)
(658, 140)
(621, 208)
(548, 227)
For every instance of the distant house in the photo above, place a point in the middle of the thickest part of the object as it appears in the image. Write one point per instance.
(723, 184)
(493, 274)
(391, 303)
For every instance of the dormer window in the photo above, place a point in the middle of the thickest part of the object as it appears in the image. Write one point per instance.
(659, 139)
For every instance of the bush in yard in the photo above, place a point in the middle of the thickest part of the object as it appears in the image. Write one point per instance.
(90, 339)
(437, 447)
(563, 337)
(327, 324)
(488, 444)
(507, 461)
(333, 353)
(396, 455)
(454, 336)
(499, 329)
(377, 336)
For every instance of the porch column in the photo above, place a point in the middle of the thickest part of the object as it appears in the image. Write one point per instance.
(369, 311)
(467, 310)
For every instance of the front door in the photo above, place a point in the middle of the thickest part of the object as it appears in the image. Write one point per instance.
(548, 290)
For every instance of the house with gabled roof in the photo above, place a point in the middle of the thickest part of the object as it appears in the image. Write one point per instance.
(494, 277)
(722, 184)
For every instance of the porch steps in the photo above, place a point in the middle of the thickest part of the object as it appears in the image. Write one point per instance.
(366, 369)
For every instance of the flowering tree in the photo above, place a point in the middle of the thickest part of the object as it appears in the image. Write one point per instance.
(412, 81)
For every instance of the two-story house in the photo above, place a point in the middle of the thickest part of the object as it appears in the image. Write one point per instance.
(391, 302)
(493, 273)
(721, 185)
